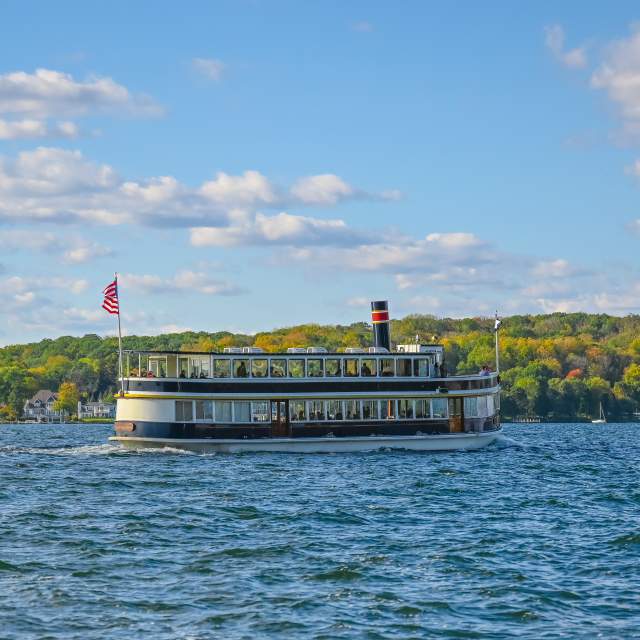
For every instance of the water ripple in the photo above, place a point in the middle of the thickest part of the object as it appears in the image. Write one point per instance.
(537, 536)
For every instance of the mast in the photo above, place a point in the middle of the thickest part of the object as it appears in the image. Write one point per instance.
(496, 330)
(119, 341)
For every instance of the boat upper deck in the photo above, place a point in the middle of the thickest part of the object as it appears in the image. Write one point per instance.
(297, 365)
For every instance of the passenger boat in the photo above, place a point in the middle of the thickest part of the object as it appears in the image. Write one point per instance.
(306, 400)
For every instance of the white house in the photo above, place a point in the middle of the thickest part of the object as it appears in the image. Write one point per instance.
(40, 407)
(96, 410)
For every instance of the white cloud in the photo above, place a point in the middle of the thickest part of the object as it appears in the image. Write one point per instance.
(250, 188)
(210, 68)
(184, 281)
(47, 93)
(559, 268)
(619, 76)
(73, 249)
(555, 41)
(86, 252)
(404, 255)
(322, 189)
(19, 285)
(55, 185)
(280, 229)
(33, 99)
(33, 129)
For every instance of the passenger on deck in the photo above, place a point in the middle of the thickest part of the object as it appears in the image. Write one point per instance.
(183, 373)
(193, 375)
(241, 371)
(485, 371)
(365, 369)
(203, 375)
(150, 374)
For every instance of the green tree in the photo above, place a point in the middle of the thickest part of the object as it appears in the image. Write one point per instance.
(68, 396)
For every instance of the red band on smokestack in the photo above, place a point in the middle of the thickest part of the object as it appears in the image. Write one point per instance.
(379, 316)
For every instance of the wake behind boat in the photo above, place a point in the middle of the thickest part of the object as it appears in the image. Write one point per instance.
(306, 400)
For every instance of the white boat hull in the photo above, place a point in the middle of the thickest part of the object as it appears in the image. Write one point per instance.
(444, 442)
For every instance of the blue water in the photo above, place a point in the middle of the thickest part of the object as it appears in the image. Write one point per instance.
(537, 536)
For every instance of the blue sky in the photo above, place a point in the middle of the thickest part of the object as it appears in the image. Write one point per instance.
(246, 165)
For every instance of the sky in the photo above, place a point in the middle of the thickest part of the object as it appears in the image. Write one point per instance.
(254, 164)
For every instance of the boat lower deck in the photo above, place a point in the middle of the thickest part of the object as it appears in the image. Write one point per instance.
(327, 444)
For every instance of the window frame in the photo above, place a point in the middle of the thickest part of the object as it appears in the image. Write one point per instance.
(254, 364)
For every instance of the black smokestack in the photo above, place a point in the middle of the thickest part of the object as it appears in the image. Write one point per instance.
(380, 320)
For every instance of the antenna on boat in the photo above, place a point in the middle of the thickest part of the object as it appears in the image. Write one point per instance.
(496, 330)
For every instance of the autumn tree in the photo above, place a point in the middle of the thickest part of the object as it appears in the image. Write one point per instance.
(68, 396)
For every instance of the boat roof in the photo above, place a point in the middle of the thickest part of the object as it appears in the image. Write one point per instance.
(364, 352)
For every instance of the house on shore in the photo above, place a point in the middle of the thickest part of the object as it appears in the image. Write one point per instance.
(96, 410)
(40, 407)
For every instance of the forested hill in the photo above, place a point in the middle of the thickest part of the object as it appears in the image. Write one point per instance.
(557, 366)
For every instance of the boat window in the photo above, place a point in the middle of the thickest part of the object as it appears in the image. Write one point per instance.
(367, 367)
(403, 367)
(421, 367)
(278, 368)
(370, 409)
(496, 402)
(297, 410)
(482, 407)
(490, 406)
(198, 367)
(259, 367)
(242, 412)
(158, 367)
(386, 367)
(351, 367)
(260, 412)
(223, 410)
(316, 409)
(241, 368)
(405, 409)
(388, 409)
(184, 410)
(334, 410)
(221, 368)
(423, 409)
(183, 367)
(204, 410)
(314, 367)
(332, 367)
(439, 408)
(471, 407)
(296, 368)
(352, 409)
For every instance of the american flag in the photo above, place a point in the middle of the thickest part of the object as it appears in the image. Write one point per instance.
(110, 302)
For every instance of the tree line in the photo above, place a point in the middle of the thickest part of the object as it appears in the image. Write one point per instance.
(555, 366)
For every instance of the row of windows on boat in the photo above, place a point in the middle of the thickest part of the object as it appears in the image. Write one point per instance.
(332, 410)
(293, 368)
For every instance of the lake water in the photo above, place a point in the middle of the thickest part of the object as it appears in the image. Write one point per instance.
(537, 536)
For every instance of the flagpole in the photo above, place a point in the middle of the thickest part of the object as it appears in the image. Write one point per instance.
(119, 341)
(497, 330)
